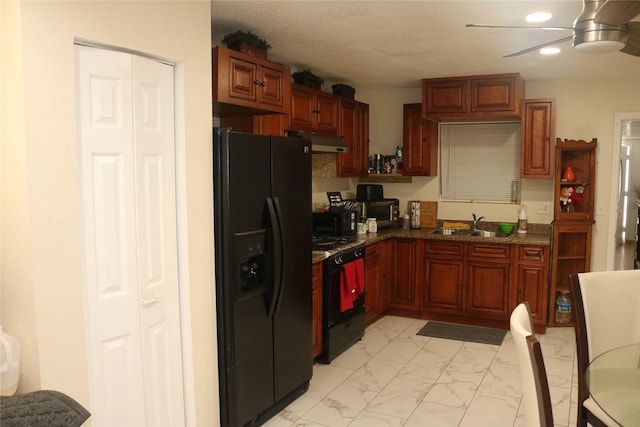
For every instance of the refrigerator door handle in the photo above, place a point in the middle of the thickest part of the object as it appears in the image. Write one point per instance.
(276, 234)
(283, 242)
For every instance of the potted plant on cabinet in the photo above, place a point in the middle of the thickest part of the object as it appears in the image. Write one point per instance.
(247, 42)
(344, 90)
(307, 78)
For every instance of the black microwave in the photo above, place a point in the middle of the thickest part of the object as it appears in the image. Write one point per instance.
(385, 211)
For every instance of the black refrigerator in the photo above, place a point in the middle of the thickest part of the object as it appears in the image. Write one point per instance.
(262, 215)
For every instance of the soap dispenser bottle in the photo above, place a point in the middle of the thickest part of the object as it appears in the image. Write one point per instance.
(522, 221)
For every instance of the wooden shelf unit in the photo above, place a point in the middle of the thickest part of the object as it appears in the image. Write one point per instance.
(572, 228)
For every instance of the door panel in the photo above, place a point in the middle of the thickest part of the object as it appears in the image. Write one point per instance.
(110, 275)
(130, 270)
(488, 289)
(157, 246)
(444, 281)
(292, 319)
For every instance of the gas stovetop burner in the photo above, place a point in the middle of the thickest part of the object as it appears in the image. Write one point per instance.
(327, 243)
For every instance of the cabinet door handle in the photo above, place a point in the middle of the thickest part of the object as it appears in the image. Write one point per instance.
(259, 83)
(263, 84)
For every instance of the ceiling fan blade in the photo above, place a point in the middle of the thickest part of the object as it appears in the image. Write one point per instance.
(617, 12)
(633, 28)
(540, 46)
(519, 27)
(632, 46)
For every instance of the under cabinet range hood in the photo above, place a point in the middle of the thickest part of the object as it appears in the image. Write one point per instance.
(324, 144)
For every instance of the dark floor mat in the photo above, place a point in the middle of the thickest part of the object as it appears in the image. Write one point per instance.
(41, 408)
(452, 331)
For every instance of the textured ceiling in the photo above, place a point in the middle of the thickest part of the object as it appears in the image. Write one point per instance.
(396, 43)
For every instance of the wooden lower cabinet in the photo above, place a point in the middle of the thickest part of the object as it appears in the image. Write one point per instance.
(481, 283)
(373, 278)
(475, 283)
(316, 298)
(377, 265)
(532, 282)
(405, 255)
(443, 279)
(488, 289)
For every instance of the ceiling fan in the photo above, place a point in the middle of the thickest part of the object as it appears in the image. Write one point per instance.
(602, 26)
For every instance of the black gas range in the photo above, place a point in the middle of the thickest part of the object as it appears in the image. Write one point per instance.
(323, 243)
(342, 327)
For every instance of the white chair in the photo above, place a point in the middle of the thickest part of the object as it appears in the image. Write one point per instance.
(607, 315)
(535, 387)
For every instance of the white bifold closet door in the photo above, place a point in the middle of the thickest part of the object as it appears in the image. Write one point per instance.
(126, 146)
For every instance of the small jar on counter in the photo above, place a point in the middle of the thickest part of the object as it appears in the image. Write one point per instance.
(362, 226)
(406, 221)
(372, 225)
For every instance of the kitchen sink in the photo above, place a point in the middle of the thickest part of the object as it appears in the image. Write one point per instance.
(451, 232)
(487, 233)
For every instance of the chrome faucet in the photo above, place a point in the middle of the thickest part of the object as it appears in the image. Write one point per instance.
(474, 227)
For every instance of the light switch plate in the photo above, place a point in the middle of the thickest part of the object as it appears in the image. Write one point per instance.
(544, 208)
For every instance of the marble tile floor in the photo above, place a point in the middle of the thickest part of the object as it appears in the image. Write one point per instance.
(393, 377)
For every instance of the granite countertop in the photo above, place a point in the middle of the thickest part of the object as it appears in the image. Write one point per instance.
(538, 234)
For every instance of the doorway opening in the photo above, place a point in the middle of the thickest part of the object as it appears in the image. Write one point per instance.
(625, 191)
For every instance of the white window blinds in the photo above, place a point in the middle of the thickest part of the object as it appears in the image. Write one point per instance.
(478, 161)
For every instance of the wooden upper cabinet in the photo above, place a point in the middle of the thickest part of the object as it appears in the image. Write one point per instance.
(448, 95)
(303, 108)
(353, 126)
(327, 112)
(246, 85)
(420, 143)
(494, 96)
(499, 94)
(537, 138)
(313, 111)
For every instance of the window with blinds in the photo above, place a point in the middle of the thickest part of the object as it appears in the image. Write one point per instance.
(478, 161)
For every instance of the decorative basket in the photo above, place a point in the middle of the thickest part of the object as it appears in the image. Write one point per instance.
(249, 49)
(344, 90)
(307, 78)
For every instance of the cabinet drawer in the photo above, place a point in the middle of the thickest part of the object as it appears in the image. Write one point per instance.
(531, 253)
(490, 251)
(444, 248)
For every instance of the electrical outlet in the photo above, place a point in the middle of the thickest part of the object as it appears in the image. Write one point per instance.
(599, 210)
(544, 208)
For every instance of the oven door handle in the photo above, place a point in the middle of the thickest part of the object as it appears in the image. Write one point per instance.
(278, 258)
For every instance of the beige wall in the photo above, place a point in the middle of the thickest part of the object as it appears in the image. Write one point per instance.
(585, 109)
(42, 297)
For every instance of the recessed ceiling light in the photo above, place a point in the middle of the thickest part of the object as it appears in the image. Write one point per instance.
(538, 17)
(550, 50)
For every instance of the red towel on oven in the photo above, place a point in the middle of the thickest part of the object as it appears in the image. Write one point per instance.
(351, 283)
